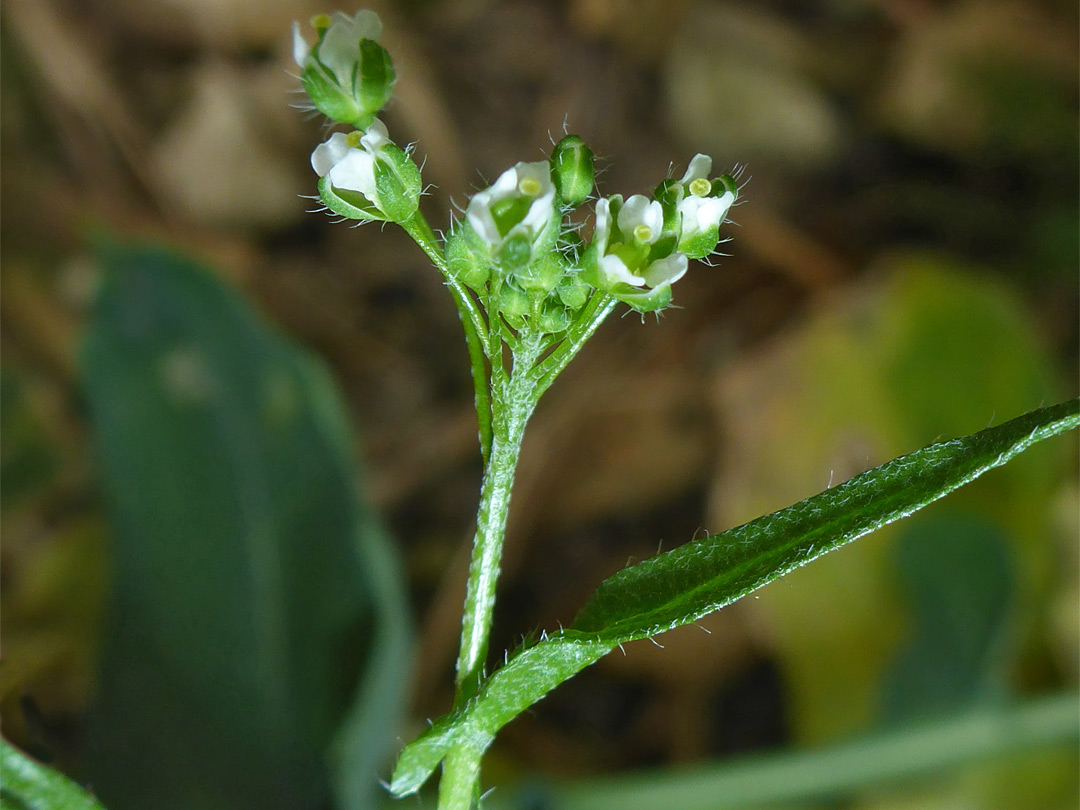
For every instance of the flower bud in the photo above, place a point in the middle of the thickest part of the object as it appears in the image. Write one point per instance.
(467, 256)
(543, 272)
(553, 318)
(364, 176)
(514, 305)
(573, 291)
(347, 75)
(397, 183)
(517, 208)
(572, 170)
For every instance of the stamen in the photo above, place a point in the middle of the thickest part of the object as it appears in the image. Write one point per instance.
(700, 187)
(643, 233)
(320, 22)
(352, 140)
(529, 186)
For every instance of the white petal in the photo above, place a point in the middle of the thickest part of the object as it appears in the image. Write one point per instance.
(366, 25)
(666, 271)
(700, 166)
(539, 171)
(478, 213)
(713, 210)
(300, 48)
(613, 270)
(689, 211)
(329, 154)
(700, 214)
(356, 172)
(504, 186)
(339, 48)
(543, 205)
(602, 230)
(375, 136)
(640, 210)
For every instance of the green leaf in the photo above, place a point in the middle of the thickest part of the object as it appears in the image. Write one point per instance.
(688, 582)
(26, 784)
(955, 574)
(251, 589)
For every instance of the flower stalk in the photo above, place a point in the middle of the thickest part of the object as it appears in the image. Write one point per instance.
(529, 290)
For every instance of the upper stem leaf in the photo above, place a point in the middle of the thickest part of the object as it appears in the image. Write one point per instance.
(682, 585)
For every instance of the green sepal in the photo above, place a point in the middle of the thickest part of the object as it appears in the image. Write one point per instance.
(643, 299)
(572, 170)
(348, 204)
(373, 80)
(515, 253)
(662, 247)
(701, 245)
(330, 99)
(397, 182)
(723, 184)
(668, 194)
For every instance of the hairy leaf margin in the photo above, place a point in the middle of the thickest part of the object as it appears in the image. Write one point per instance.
(682, 585)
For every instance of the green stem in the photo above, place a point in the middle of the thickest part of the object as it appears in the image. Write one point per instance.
(595, 313)
(459, 784)
(472, 321)
(513, 402)
(513, 398)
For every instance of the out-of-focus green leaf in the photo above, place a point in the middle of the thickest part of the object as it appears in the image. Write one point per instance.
(688, 582)
(246, 573)
(896, 760)
(28, 785)
(957, 576)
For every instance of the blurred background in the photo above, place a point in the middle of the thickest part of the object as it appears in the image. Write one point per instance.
(239, 454)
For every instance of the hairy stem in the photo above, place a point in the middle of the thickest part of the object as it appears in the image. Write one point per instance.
(513, 402)
(513, 398)
(459, 785)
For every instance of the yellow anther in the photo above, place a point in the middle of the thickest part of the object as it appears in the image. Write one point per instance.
(529, 186)
(352, 140)
(320, 22)
(700, 187)
(643, 233)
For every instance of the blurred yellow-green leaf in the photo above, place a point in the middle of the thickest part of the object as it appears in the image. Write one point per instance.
(924, 350)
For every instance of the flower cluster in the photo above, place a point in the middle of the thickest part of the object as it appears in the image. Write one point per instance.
(514, 247)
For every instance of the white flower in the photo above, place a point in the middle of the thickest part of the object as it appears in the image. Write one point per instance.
(338, 46)
(641, 219)
(521, 201)
(700, 211)
(351, 165)
(612, 267)
(347, 74)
